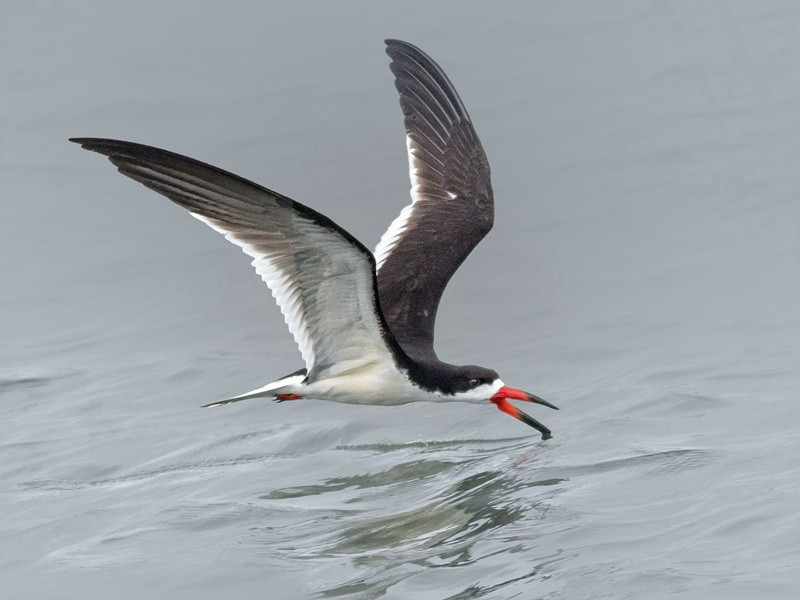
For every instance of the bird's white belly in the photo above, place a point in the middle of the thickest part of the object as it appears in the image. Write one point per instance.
(373, 385)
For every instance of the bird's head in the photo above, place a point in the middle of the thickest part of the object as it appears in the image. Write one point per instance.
(481, 384)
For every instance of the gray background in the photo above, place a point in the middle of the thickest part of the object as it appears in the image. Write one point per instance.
(642, 274)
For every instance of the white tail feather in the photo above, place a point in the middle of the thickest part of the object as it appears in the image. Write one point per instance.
(268, 390)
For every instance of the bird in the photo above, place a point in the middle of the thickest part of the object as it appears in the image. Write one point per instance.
(363, 322)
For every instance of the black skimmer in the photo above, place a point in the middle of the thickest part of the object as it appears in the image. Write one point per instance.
(364, 323)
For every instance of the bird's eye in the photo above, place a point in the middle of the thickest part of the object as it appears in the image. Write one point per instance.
(474, 382)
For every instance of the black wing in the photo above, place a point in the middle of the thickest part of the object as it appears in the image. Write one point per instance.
(452, 206)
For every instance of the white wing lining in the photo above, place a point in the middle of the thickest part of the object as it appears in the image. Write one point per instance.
(322, 278)
(279, 286)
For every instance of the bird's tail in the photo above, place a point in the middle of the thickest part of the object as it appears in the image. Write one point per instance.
(268, 390)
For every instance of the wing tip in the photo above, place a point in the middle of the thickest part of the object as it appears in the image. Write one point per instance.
(397, 42)
(396, 48)
(89, 141)
(103, 145)
(83, 142)
(408, 57)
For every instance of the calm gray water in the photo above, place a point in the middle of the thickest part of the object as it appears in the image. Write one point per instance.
(642, 274)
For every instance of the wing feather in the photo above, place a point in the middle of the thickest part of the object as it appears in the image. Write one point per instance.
(452, 206)
(322, 278)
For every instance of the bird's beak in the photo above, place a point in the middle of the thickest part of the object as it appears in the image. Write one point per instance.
(506, 393)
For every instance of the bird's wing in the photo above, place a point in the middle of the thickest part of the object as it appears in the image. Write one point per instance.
(452, 206)
(321, 276)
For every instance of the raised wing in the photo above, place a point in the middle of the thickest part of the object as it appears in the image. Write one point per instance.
(452, 206)
(321, 276)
